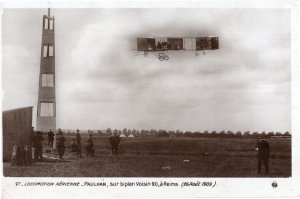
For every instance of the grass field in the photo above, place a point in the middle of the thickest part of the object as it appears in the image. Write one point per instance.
(146, 156)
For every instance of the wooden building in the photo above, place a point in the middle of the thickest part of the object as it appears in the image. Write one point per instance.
(16, 129)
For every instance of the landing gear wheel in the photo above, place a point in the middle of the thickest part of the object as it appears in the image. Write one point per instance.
(161, 58)
(166, 57)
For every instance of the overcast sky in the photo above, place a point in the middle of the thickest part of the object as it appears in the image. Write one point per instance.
(102, 82)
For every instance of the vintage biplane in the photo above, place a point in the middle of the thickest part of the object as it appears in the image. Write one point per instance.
(160, 45)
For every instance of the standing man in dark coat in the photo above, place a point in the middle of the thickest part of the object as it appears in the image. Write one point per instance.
(60, 143)
(90, 151)
(114, 142)
(263, 154)
(78, 143)
(38, 143)
(74, 148)
(50, 138)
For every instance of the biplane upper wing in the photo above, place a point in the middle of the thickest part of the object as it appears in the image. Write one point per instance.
(177, 43)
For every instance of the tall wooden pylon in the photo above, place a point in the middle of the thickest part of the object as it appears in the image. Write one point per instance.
(46, 107)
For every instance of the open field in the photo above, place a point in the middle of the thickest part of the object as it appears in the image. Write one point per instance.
(145, 157)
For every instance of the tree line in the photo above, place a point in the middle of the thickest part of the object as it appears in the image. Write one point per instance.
(195, 134)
